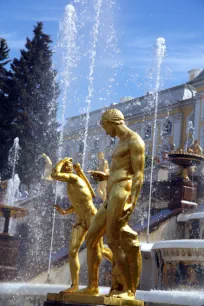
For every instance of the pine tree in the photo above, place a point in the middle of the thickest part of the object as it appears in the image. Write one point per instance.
(36, 92)
(7, 111)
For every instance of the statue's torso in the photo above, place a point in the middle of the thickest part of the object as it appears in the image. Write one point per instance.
(80, 196)
(120, 168)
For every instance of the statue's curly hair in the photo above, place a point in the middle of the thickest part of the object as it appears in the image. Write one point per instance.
(113, 116)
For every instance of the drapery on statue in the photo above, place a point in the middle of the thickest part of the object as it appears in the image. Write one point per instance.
(80, 195)
(104, 167)
(124, 183)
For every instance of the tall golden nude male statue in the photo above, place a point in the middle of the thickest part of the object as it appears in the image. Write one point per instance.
(80, 195)
(124, 183)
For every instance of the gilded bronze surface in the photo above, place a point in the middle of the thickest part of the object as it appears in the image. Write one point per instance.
(104, 167)
(80, 195)
(195, 148)
(124, 183)
(91, 300)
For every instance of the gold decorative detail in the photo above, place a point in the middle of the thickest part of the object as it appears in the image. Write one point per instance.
(195, 148)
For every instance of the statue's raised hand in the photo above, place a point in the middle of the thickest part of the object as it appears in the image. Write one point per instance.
(98, 175)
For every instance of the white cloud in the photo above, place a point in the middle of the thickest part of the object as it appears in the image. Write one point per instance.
(8, 35)
(37, 18)
(13, 40)
(16, 43)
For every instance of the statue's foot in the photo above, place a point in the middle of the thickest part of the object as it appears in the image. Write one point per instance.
(89, 291)
(72, 289)
(125, 294)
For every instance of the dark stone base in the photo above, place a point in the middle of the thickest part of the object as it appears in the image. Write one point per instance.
(9, 248)
(183, 194)
(51, 303)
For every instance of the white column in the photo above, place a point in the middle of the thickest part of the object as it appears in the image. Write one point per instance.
(177, 124)
(197, 116)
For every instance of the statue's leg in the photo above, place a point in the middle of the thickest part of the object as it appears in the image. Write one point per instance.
(94, 255)
(76, 240)
(117, 200)
(100, 192)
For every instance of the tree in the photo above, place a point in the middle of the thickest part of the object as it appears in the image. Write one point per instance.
(7, 111)
(35, 92)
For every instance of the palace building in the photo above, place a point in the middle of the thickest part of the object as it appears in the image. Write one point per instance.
(180, 119)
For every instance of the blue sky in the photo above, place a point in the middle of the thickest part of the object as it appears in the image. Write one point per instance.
(137, 25)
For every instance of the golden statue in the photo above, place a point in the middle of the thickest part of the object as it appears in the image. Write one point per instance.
(195, 148)
(104, 167)
(124, 183)
(80, 195)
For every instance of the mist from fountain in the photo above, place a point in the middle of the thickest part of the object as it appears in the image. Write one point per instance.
(94, 36)
(160, 53)
(66, 48)
(12, 191)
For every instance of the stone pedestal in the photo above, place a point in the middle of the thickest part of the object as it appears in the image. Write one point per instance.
(183, 194)
(61, 299)
(9, 248)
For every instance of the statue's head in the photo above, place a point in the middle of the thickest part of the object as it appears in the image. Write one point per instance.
(110, 119)
(68, 166)
(100, 155)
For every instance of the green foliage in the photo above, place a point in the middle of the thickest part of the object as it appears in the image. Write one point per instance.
(34, 94)
(4, 52)
(7, 112)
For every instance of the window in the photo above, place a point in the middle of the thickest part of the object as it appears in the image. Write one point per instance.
(80, 147)
(96, 143)
(147, 132)
(167, 127)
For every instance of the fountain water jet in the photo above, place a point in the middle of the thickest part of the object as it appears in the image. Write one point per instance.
(67, 49)
(91, 71)
(160, 53)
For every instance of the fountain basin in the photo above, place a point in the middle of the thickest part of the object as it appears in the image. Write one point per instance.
(9, 245)
(185, 159)
(179, 264)
(9, 248)
(26, 290)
